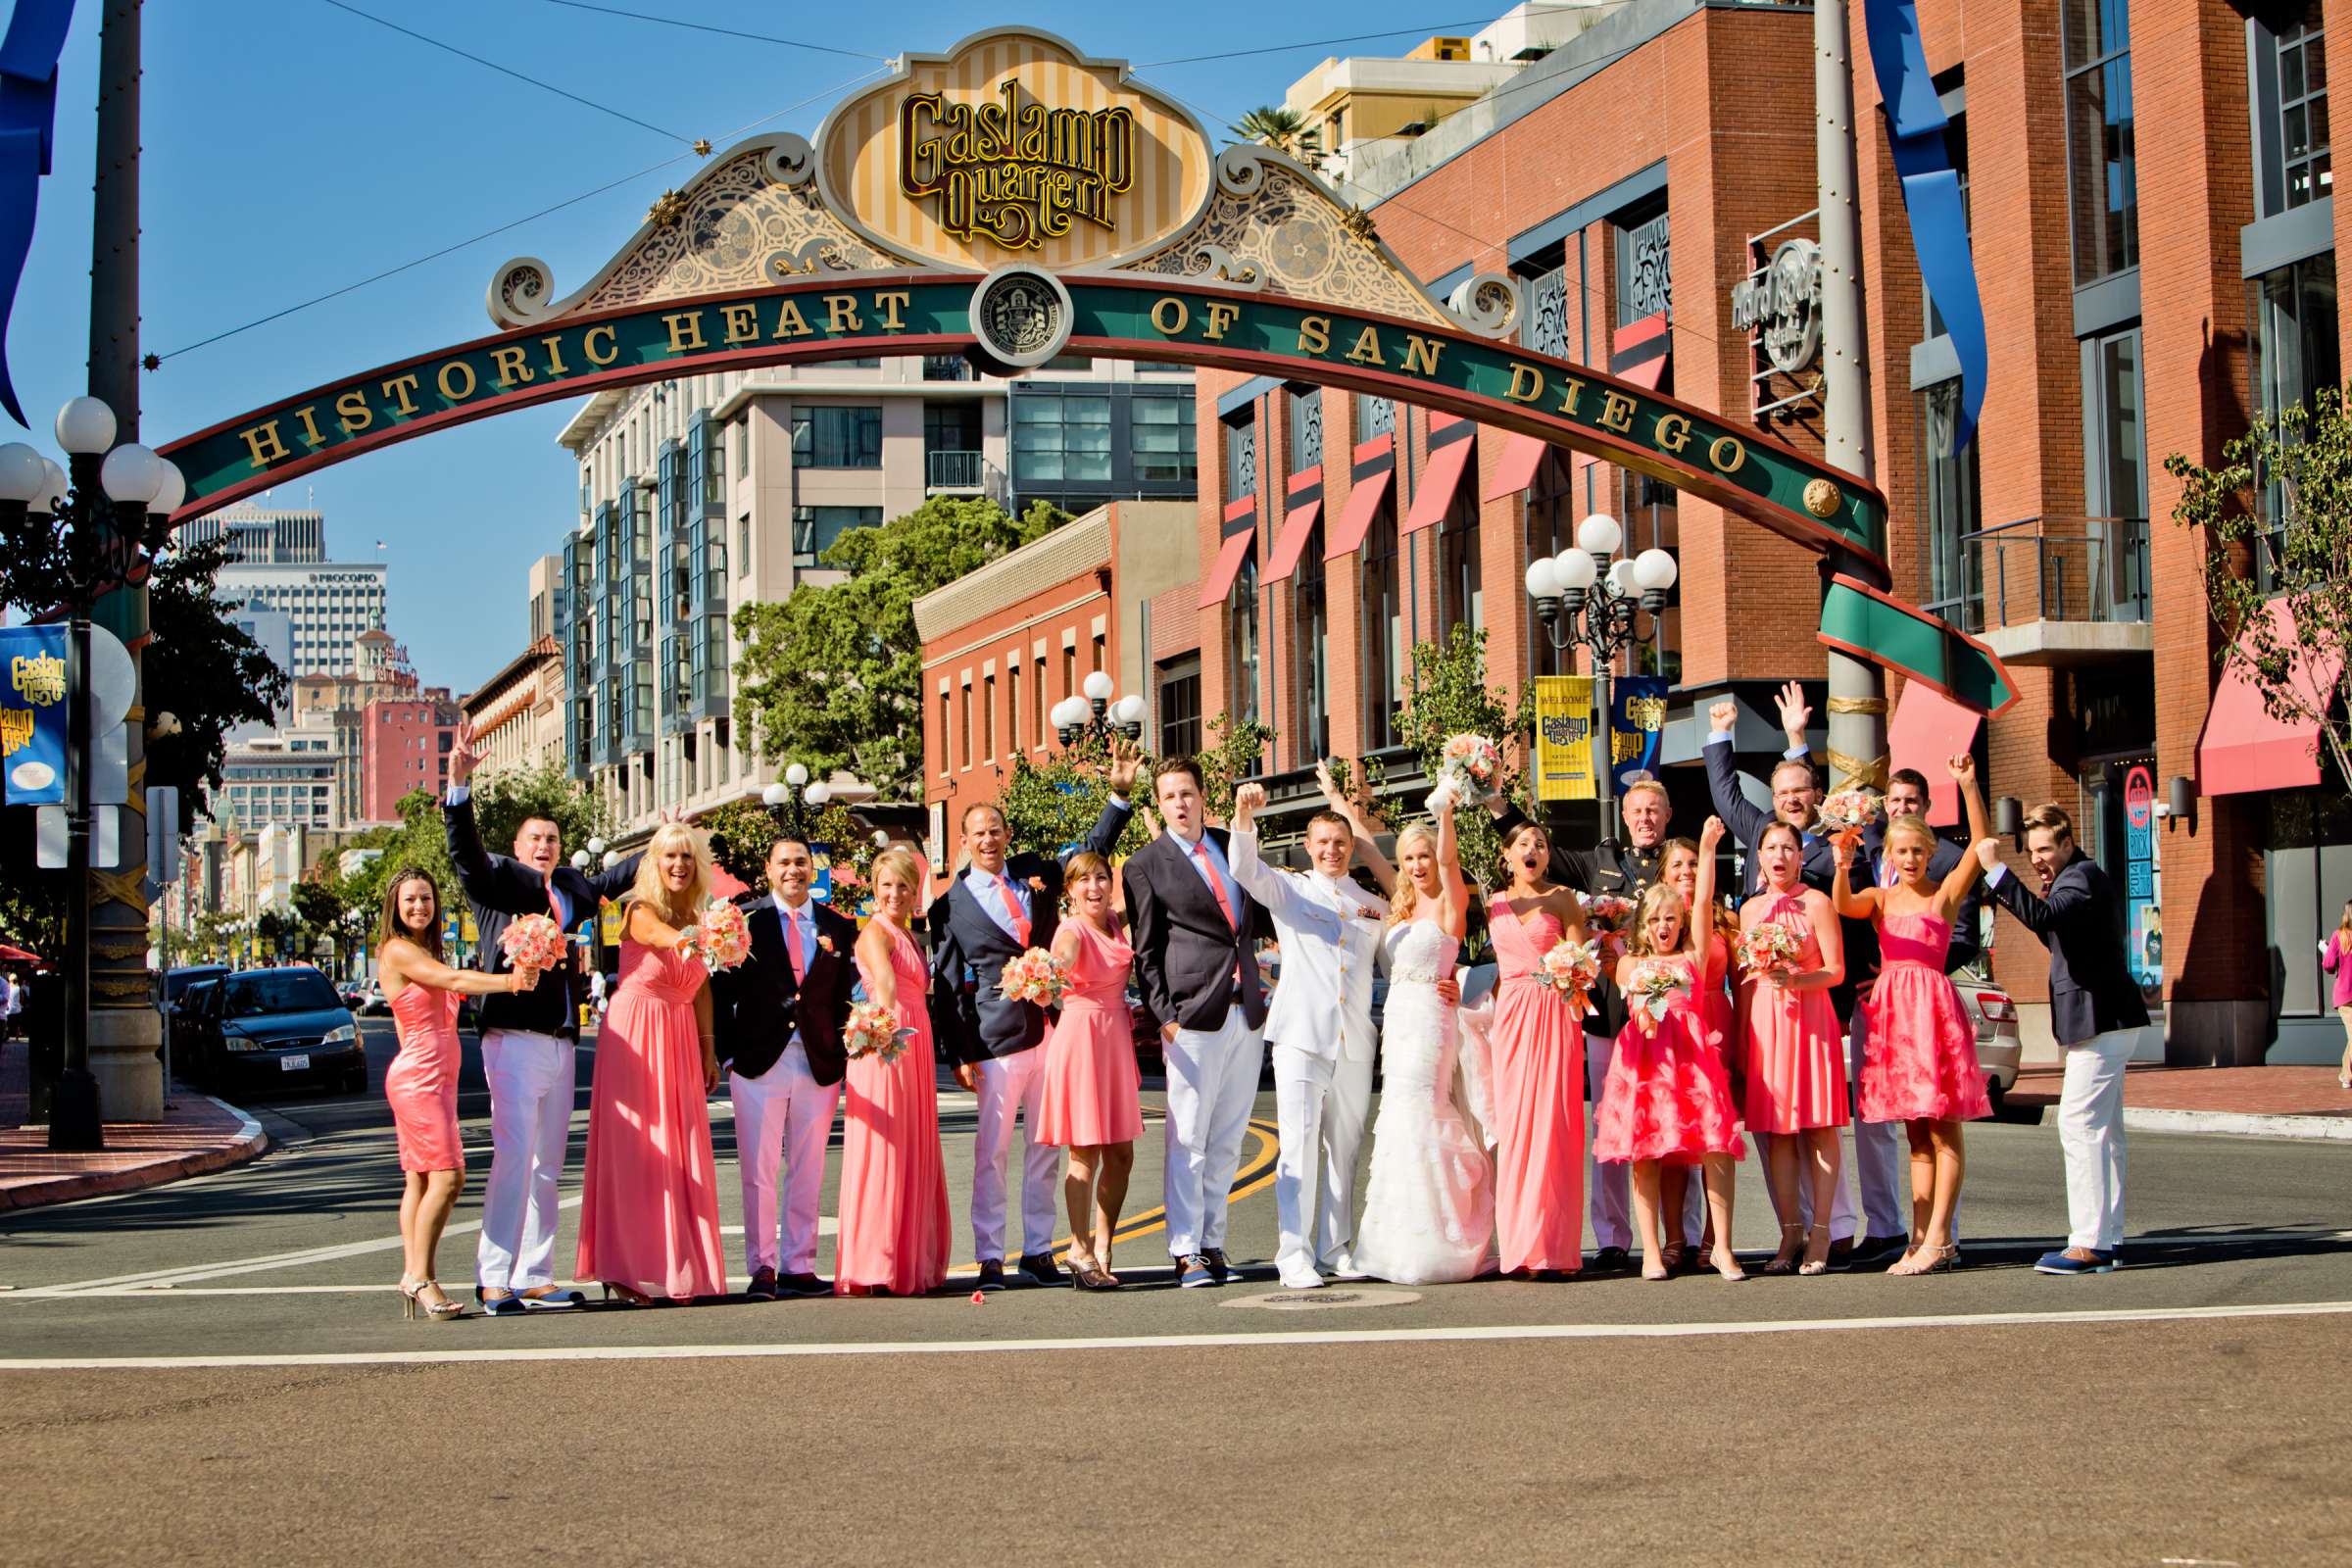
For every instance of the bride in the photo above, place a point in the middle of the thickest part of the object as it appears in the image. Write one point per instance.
(1429, 1208)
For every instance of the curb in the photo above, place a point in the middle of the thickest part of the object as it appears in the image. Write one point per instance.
(248, 1144)
(2243, 1124)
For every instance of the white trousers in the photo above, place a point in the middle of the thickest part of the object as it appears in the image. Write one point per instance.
(783, 1121)
(2091, 1135)
(1212, 1082)
(531, 1090)
(1880, 1158)
(1610, 1184)
(1320, 1108)
(1011, 1086)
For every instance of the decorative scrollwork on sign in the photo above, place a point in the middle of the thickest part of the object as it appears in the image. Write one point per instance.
(810, 256)
(1216, 262)
(1238, 170)
(521, 292)
(1490, 304)
(791, 161)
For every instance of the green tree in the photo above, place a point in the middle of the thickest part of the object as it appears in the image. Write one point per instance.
(1286, 130)
(742, 832)
(1235, 752)
(1051, 807)
(832, 676)
(2276, 522)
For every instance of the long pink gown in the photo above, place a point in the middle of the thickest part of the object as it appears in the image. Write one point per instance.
(421, 1083)
(1539, 1047)
(1795, 1050)
(1667, 1095)
(1092, 1090)
(1922, 1060)
(894, 1186)
(648, 1201)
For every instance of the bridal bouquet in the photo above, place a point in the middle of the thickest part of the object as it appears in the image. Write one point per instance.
(722, 937)
(1609, 912)
(1035, 976)
(1766, 946)
(1654, 987)
(1571, 967)
(873, 1031)
(1468, 765)
(533, 942)
(1849, 809)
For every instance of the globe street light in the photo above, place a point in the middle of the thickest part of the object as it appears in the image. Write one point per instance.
(1094, 715)
(1583, 595)
(790, 799)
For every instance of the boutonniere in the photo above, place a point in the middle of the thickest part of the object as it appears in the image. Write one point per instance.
(1037, 884)
(825, 941)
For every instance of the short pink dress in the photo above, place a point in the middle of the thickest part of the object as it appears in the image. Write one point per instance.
(1538, 1044)
(1093, 1094)
(1921, 1057)
(421, 1083)
(894, 1183)
(1795, 1050)
(1667, 1095)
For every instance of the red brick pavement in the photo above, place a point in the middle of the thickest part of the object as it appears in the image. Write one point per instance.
(196, 1135)
(2238, 1091)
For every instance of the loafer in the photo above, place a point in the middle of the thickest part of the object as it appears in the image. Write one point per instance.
(1611, 1260)
(992, 1274)
(550, 1299)
(1039, 1266)
(1218, 1268)
(1870, 1248)
(802, 1285)
(763, 1285)
(1193, 1273)
(508, 1305)
(2063, 1262)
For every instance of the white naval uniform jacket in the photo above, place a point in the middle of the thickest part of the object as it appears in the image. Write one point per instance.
(1330, 933)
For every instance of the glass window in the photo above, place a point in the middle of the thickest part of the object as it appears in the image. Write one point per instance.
(2113, 573)
(1180, 708)
(2289, 75)
(1241, 642)
(1955, 147)
(1240, 458)
(1312, 620)
(1645, 271)
(1382, 630)
(831, 436)
(2103, 185)
(816, 530)
(1161, 439)
(1954, 568)
(988, 717)
(1061, 437)
(2296, 349)
(1461, 587)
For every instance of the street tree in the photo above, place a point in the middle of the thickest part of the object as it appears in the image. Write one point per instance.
(1447, 694)
(2276, 518)
(1286, 130)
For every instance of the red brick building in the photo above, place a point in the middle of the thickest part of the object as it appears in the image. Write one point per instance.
(404, 746)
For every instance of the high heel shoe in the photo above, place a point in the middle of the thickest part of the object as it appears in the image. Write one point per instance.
(1927, 1261)
(412, 1297)
(1735, 1274)
(1815, 1265)
(1087, 1273)
(626, 1296)
(1785, 1261)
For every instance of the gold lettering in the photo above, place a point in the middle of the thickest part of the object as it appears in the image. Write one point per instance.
(1673, 433)
(1527, 384)
(890, 305)
(685, 330)
(790, 322)
(352, 412)
(1220, 317)
(507, 368)
(1169, 315)
(1420, 354)
(309, 426)
(451, 393)
(1720, 461)
(1367, 348)
(743, 323)
(555, 356)
(263, 443)
(398, 390)
(1575, 389)
(1617, 411)
(840, 309)
(611, 345)
(1314, 335)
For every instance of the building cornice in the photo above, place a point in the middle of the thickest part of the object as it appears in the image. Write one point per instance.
(1082, 544)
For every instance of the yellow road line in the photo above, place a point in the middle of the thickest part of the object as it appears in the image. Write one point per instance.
(1255, 1176)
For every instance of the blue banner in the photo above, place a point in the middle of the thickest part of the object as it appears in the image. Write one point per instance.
(1636, 725)
(28, 54)
(34, 714)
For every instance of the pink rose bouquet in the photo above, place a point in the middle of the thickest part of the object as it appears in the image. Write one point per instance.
(1655, 985)
(1572, 968)
(873, 1031)
(1474, 756)
(533, 942)
(723, 938)
(1767, 946)
(1849, 809)
(1609, 912)
(1035, 976)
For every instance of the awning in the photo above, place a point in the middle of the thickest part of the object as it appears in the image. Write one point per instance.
(1639, 351)
(2243, 748)
(1439, 481)
(1219, 582)
(1355, 519)
(1290, 543)
(1928, 727)
(1522, 457)
(725, 885)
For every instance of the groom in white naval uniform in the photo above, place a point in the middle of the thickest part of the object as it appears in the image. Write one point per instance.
(1320, 1028)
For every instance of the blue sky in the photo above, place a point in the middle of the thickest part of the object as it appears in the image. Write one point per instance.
(291, 148)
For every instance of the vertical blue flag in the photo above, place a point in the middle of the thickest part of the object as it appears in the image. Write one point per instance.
(32, 714)
(28, 54)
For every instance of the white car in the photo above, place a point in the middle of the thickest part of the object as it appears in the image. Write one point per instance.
(1993, 1014)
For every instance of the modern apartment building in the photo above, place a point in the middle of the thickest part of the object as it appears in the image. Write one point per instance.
(262, 535)
(329, 604)
(405, 741)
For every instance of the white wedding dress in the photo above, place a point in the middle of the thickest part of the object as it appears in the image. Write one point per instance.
(1429, 1210)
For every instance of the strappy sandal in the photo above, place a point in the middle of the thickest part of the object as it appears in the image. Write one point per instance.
(412, 1295)
(1815, 1265)
(1087, 1273)
(1785, 1261)
(1929, 1260)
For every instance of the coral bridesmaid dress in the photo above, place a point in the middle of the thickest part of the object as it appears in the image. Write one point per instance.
(422, 1081)
(1795, 1050)
(894, 1186)
(1092, 1090)
(648, 1201)
(1539, 1047)
(1921, 1062)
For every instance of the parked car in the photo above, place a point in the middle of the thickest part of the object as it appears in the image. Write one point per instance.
(370, 999)
(273, 1026)
(1993, 1014)
(178, 981)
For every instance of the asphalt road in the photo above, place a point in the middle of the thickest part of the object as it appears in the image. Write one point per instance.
(2189, 1408)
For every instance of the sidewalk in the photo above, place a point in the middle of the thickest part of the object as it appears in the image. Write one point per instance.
(198, 1134)
(2258, 1102)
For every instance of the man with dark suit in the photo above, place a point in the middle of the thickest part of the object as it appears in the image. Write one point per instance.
(997, 911)
(528, 1039)
(1196, 935)
(779, 1016)
(2098, 1015)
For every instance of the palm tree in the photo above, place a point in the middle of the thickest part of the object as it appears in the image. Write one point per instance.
(1286, 130)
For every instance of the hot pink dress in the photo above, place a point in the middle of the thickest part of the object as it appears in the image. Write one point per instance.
(1539, 1047)
(648, 1201)
(1922, 1058)
(893, 1187)
(1667, 1095)
(1092, 1090)
(1795, 1050)
(422, 1081)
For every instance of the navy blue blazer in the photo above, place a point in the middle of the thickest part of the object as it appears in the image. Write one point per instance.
(498, 888)
(2080, 920)
(1188, 955)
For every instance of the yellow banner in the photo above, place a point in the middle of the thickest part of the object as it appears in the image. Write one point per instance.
(1564, 738)
(608, 927)
(468, 929)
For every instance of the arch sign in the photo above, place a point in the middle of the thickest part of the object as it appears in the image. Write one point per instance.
(1012, 200)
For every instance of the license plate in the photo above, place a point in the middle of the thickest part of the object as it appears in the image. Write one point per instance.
(294, 1064)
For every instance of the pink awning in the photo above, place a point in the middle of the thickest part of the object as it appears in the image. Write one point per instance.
(1522, 456)
(1439, 481)
(1355, 518)
(1928, 727)
(1639, 351)
(1219, 582)
(2243, 748)
(1290, 543)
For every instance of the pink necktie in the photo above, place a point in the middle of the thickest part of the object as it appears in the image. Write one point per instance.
(792, 945)
(1216, 883)
(1012, 909)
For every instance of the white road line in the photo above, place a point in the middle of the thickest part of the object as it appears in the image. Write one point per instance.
(1173, 1342)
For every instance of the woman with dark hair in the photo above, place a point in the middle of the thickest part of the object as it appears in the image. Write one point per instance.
(421, 1083)
(1091, 1103)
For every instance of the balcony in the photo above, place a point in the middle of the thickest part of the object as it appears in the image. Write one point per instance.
(949, 368)
(962, 473)
(2057, 589)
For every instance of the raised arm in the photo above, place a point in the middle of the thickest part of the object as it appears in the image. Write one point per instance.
(1743, 818)
(611, 882)
(1963, 769)
(1854, 906)
(1450, 871)
(1959, 880)
(1104, 838)
(1362, 825)
(1277, 893)
(2043, 916)
(1701, 917)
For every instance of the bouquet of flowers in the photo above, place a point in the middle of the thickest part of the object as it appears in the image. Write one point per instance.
(1849, 809)
(533, 942)
(1474, 756)
(1572, 968)
(1766, 946)
(1654, 987)
(873, 1031)
(722, 937)
(1607, 912)
(1035, 976)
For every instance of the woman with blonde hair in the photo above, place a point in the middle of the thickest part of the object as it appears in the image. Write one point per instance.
(649, 1203)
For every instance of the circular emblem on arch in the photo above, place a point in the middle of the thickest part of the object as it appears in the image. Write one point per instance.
(1021, 315)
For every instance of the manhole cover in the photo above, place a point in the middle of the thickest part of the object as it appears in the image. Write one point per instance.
(1325, 1300)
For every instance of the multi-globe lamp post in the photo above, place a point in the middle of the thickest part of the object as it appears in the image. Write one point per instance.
(98, 513)
(1078, 716)
(793, 797)
(1582, 595)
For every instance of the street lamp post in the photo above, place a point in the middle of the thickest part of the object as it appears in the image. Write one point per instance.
(90, 522)
(793, 797)
(1094, 716)
(1582, 596)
